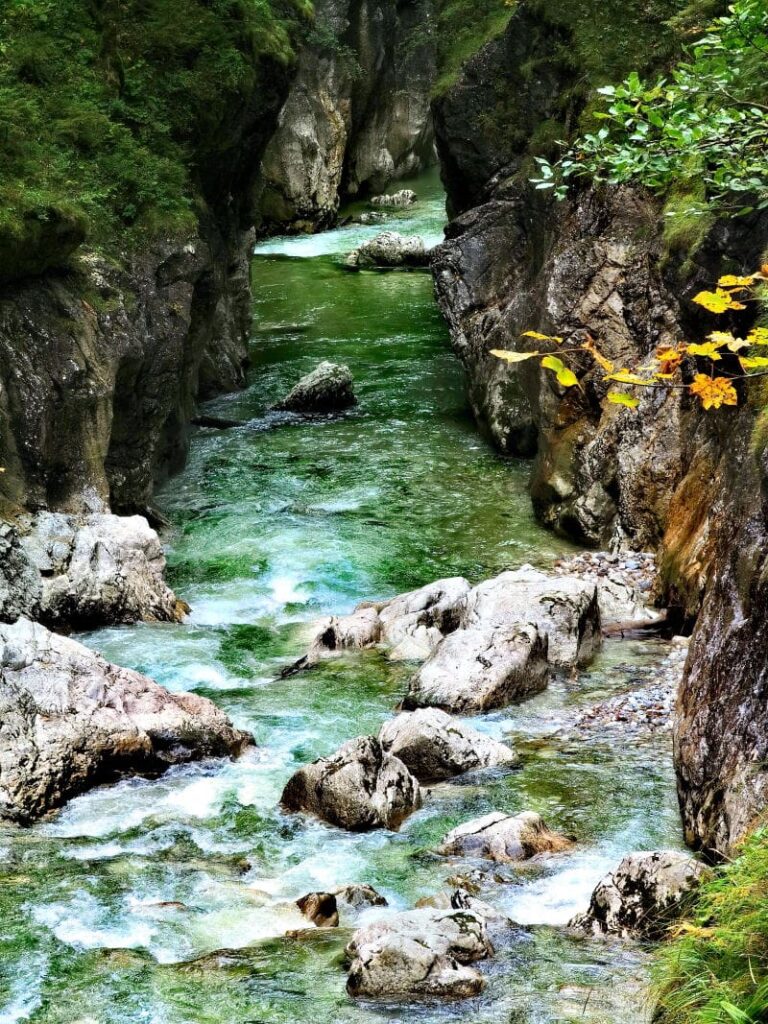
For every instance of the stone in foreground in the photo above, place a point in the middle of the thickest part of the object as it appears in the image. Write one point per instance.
(643, 896)
(359, 788)
(387, 250)
(404, 197)
(435, 746)
(476, 670)
(420, 954)
(328, 388)
(503, 838)
(69, 720)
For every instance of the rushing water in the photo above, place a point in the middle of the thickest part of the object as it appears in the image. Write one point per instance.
(110, 911)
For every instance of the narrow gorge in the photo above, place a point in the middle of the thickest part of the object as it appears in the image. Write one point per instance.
(354, 665)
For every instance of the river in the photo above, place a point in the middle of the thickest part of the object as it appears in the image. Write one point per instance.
(111, 910)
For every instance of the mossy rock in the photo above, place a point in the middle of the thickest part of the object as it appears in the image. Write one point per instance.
(41, 241)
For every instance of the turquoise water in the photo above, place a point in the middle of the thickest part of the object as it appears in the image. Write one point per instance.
(114, 910)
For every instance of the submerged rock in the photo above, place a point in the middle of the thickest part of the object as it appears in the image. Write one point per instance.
(360, 787)
(389, 249)
(328, 388)
(323, 908)
(422, 953)
(98, 569)
(642, 896)
(475, 670)
(503, 838)
(404, 197)
(433, 745)
(71, 720)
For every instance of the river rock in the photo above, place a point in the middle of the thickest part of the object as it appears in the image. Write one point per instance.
(20, 582)
(475, 670)
(323, 908)
(422, 953)
(642, 896)
(70, 720)
(98, 569)
(404, 197)
(360, 787)
(389, 249)
(328, 388)
(503, 838)
(434, 746)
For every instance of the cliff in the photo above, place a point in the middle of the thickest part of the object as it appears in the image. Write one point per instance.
(666, 476)
(358, 114)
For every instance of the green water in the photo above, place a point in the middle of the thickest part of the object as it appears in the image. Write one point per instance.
(113, 910)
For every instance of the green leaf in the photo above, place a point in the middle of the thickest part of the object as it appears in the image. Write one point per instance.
(619, 398)
(565, 377)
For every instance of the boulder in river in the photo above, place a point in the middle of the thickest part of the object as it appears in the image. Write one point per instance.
(403, 197)
(642, 896)
(328, 388)
(360, 787)
(419, 954)
(434, 745)
(98, 569)
(71, 720)
(476, 670)
(323, 908)
(387, 250)
(503, 838)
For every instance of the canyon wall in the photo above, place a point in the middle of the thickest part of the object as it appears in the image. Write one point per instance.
(666, 476)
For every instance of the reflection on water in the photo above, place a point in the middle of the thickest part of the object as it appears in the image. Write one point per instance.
(113, 910)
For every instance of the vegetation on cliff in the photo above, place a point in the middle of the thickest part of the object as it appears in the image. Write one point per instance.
(715, 971)
(122, 115)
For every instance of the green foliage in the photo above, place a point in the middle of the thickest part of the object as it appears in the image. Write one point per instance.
(706, 123)
(110, 108)
(715, 970)
(463, 27)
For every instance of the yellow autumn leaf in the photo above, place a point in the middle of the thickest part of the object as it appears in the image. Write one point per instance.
(513, 357)
(542, 337)
(590, 346)
(669, 359)
(713, 392)
(567, 378)
(758, 336)
(619, 398)
(627, 377)
(734, 281)
(718, 301)
(753, 362)
(708, 349)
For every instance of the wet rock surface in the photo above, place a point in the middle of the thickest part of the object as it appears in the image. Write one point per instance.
(503, 838)
(387, 250)
(360, 787)
(404, 197)
(69, 720)
(328, 388)
(434, 745)
(324, 908)
(420, 954)
(643, 896)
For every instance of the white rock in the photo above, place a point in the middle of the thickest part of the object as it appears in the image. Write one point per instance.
(503, 838)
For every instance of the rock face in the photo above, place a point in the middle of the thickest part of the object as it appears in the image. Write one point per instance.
(357, 116)
(388, 250)
(328, 388)
(69, 720)
(433, 745)
(643, 896)
(420, 954)
(97, 569)
(360, 787)
(405, 197)
(503, 838)
(483, 646)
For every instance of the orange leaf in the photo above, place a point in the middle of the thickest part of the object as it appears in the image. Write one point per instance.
(713, 392)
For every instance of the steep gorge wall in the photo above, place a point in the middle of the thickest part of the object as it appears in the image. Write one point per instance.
(667, 476)
(358, 114)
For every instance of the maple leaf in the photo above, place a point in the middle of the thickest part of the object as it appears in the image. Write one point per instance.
(733, 281)
(542, 337)
(758, 336)
(753, 362)
(713, 392)
(627, 377)
(590, 346)
(565, 377)
(669, 359)
(708, 349)
(732, 343)
(619, 398)
(513, 357)
(718, 301)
